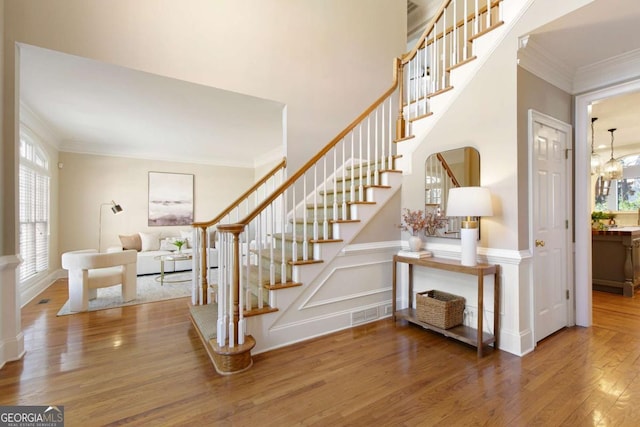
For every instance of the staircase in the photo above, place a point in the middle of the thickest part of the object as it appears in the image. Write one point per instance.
(270, 256)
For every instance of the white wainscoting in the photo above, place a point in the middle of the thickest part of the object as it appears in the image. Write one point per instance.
(11, 337)
(355, 288)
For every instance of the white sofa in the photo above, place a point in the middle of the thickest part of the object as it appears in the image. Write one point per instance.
(153, 245)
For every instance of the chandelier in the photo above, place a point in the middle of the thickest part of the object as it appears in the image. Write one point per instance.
(613, 168)
(596, 161)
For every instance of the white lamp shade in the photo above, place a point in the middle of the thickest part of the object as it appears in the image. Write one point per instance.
(469, 201)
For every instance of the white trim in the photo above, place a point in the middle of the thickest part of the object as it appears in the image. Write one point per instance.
(582, 216)
(619, 68)
(533, 58)
(305, 304)
(11, 336)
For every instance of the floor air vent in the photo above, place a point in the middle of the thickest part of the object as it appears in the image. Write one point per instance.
(364, 316)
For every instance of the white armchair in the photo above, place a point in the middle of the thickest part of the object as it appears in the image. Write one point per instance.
(90, 270)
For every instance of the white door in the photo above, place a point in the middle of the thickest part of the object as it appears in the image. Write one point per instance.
(549, 140)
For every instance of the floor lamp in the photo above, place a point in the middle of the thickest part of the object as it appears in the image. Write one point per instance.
(469, 202)
(116, 209)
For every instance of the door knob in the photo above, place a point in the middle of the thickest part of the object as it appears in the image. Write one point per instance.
(539, 243)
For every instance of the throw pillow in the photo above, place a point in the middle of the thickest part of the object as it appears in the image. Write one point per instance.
(150, 241)
(131, 242)
(167, 244)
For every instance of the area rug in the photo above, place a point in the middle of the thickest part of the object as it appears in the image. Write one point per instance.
(148, 290)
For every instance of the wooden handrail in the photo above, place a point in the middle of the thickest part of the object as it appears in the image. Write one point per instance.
(422, 41)
(244, 195)
(446, 167)
(289, 182)
(412, 53)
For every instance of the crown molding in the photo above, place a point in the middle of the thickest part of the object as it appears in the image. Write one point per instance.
(533, 58)
(616, 69)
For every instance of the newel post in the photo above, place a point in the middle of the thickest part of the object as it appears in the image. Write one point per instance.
(235, 354)
(203, 265)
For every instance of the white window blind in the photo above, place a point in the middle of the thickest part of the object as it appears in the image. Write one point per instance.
(33, 210)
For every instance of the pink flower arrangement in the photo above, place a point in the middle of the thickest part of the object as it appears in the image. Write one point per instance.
(413, 221)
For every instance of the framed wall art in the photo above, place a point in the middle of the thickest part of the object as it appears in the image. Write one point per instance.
(170, 199)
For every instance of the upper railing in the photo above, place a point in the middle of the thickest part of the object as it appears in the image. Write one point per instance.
(444, 45)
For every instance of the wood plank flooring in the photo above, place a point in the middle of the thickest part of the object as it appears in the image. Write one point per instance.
(144, 365)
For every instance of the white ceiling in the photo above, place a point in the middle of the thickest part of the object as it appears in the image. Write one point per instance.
(604, 31)
(97, 108)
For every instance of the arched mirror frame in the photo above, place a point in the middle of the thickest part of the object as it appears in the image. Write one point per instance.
(459, 167)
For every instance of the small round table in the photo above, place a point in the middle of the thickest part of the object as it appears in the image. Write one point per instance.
(176, 256)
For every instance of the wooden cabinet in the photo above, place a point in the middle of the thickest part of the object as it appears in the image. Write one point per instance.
(615, 260)
(469, 335)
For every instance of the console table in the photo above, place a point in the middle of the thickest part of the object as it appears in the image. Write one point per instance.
(469, 335)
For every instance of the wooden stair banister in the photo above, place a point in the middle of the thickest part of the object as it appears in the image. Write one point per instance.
(356, 162)
(202, 226)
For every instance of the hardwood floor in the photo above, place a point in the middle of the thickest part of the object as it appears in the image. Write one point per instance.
(144, 365)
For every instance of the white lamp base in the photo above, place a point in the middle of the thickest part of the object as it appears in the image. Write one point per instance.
(469, 244)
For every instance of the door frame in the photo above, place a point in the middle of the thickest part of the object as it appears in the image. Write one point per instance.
(582, 178)
(536, 116)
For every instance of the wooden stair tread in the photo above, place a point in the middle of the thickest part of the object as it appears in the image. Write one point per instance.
(423, 116)
(440, 92)
(361, 203)
(303, 262)
(325, 241)
(461, 63)
(343, 221)
(258, 311)
(486, 30)
(406, 138)
(285, 285)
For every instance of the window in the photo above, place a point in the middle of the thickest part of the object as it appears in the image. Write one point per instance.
(34, 208)
(620, 194)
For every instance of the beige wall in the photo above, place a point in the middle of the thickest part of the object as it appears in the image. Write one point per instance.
(537, 94)
(87, 181)
(327, 60)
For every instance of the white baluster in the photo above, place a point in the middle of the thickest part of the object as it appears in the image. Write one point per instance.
(488, 24)
(315, 201)
(325, 223)
(272, 240)
(294, 244)
(390, 130)
(360, 167)
(305, 240)
(352, 190)
(476, 21)
(283, 263)
(369, 149)
(376, 170)
(444, 49)
(344, 181)
(335, 183)
(465, 35)
(454, 35)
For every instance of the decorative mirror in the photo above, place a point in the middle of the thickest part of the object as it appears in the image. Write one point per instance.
(453, 168)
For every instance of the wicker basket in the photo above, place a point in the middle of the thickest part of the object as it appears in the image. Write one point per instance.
(439, 309)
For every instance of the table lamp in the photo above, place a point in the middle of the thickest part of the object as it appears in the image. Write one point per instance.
(469, 202)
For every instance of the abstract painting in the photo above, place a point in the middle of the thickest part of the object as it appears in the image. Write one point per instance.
(170, 199)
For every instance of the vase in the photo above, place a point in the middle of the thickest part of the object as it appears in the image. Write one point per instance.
(415, 243)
